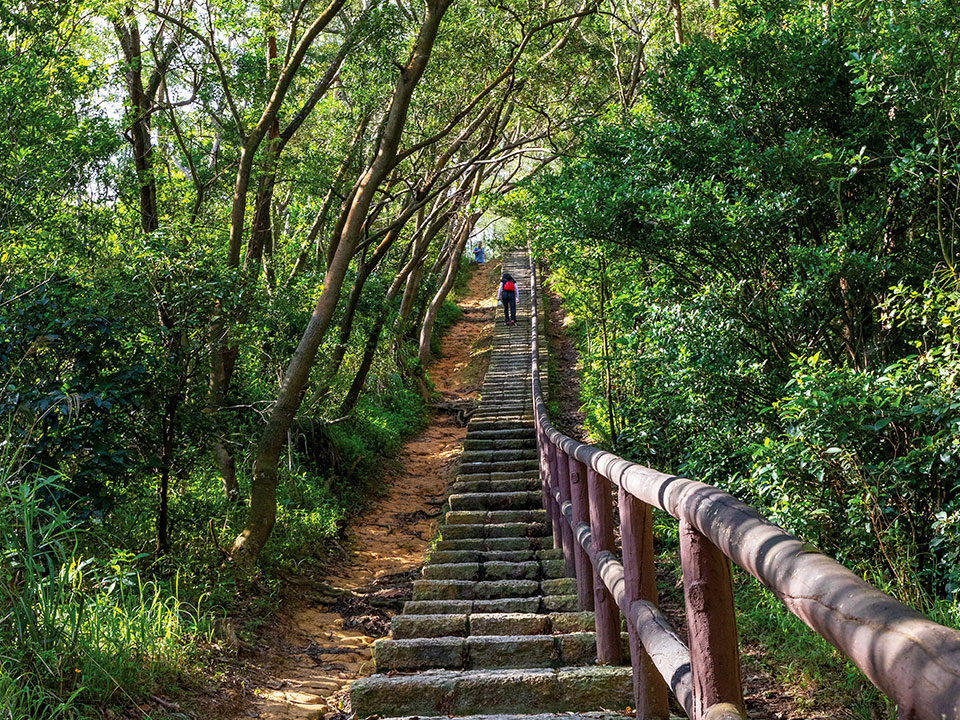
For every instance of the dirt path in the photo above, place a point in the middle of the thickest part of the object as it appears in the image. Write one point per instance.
(324, 639)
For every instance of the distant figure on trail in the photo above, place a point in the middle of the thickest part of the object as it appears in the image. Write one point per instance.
(507, 294)
(478, 255)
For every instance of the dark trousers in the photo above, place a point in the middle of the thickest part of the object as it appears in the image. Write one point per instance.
(509, 300)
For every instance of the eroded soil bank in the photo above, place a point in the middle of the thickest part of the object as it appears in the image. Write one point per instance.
(305, 658)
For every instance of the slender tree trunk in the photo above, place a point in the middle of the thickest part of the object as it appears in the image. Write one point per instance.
(228, 471)
(263, 499)
(607, 375)
(373, 339)
(267, 119)
(262, 227)
(313, 237)
(453, 264)
(141, 105)
(676, 11)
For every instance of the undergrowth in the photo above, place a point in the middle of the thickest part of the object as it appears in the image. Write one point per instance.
(79, 631)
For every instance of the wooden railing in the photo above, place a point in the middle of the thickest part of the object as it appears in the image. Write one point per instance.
(912, 659)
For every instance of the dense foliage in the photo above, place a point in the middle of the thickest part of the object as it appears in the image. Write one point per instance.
(230, 231)
(761, 256)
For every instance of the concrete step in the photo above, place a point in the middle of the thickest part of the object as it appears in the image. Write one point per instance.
(529, 570)
(480, 556)
(487, 651)
(464, 625)
(495, 543)
(496, 500)
(495, 530)
(495, 517)
(465, 692)
(491, 589)
(535, 604)
(520, 484)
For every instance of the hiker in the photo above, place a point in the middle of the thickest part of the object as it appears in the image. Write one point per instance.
(507, 294)
(478, 256)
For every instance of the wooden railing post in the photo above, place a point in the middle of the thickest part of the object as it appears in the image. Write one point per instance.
(581, 514)
(606, 613)
(566, 532)
(640, 577)
(554, 486)
(549, 503)
(711, 623)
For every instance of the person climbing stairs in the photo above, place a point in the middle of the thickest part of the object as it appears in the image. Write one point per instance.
(493, 627)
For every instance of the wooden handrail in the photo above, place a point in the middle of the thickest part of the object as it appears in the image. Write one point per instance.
(913, 660)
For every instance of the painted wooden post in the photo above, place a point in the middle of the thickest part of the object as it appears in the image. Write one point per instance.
(606, 612)
(566, 532)
(711, 623)
(554, 486)
(640, 577)
(548, 503)
(581, 514)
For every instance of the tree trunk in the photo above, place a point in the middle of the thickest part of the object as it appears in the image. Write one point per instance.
(141, 104)
(263, 499)
(453, 264)
(373, 339)
(267, 119)
(315, 229)
(677, 12)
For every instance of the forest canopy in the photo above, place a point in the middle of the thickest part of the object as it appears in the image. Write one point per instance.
(230, 232)
(761, 256)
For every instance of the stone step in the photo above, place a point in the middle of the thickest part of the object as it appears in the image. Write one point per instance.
(487, 651)
(495, 530)
(529, 570)
(485, 456)
(527, 433)
(491, 589)
(480, 556)
(540, 716)
(465, 692)
(505, 401)
(535, 604)
(484, 468)
(496, 500)
(498, 425)
(498, 416)
(521, 484)
(495, 517)
(463, 625)
(495, 543)
(498, 475)
(482, 444)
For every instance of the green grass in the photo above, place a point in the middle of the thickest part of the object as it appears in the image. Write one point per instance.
(817, 677)
(777, 647)
(77, 633)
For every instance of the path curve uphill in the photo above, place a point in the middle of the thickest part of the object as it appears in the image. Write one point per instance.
(493, 626)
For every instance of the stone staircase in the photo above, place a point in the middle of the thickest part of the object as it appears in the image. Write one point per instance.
(493, 627)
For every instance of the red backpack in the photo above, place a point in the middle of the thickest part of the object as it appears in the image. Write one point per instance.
(509, 286)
